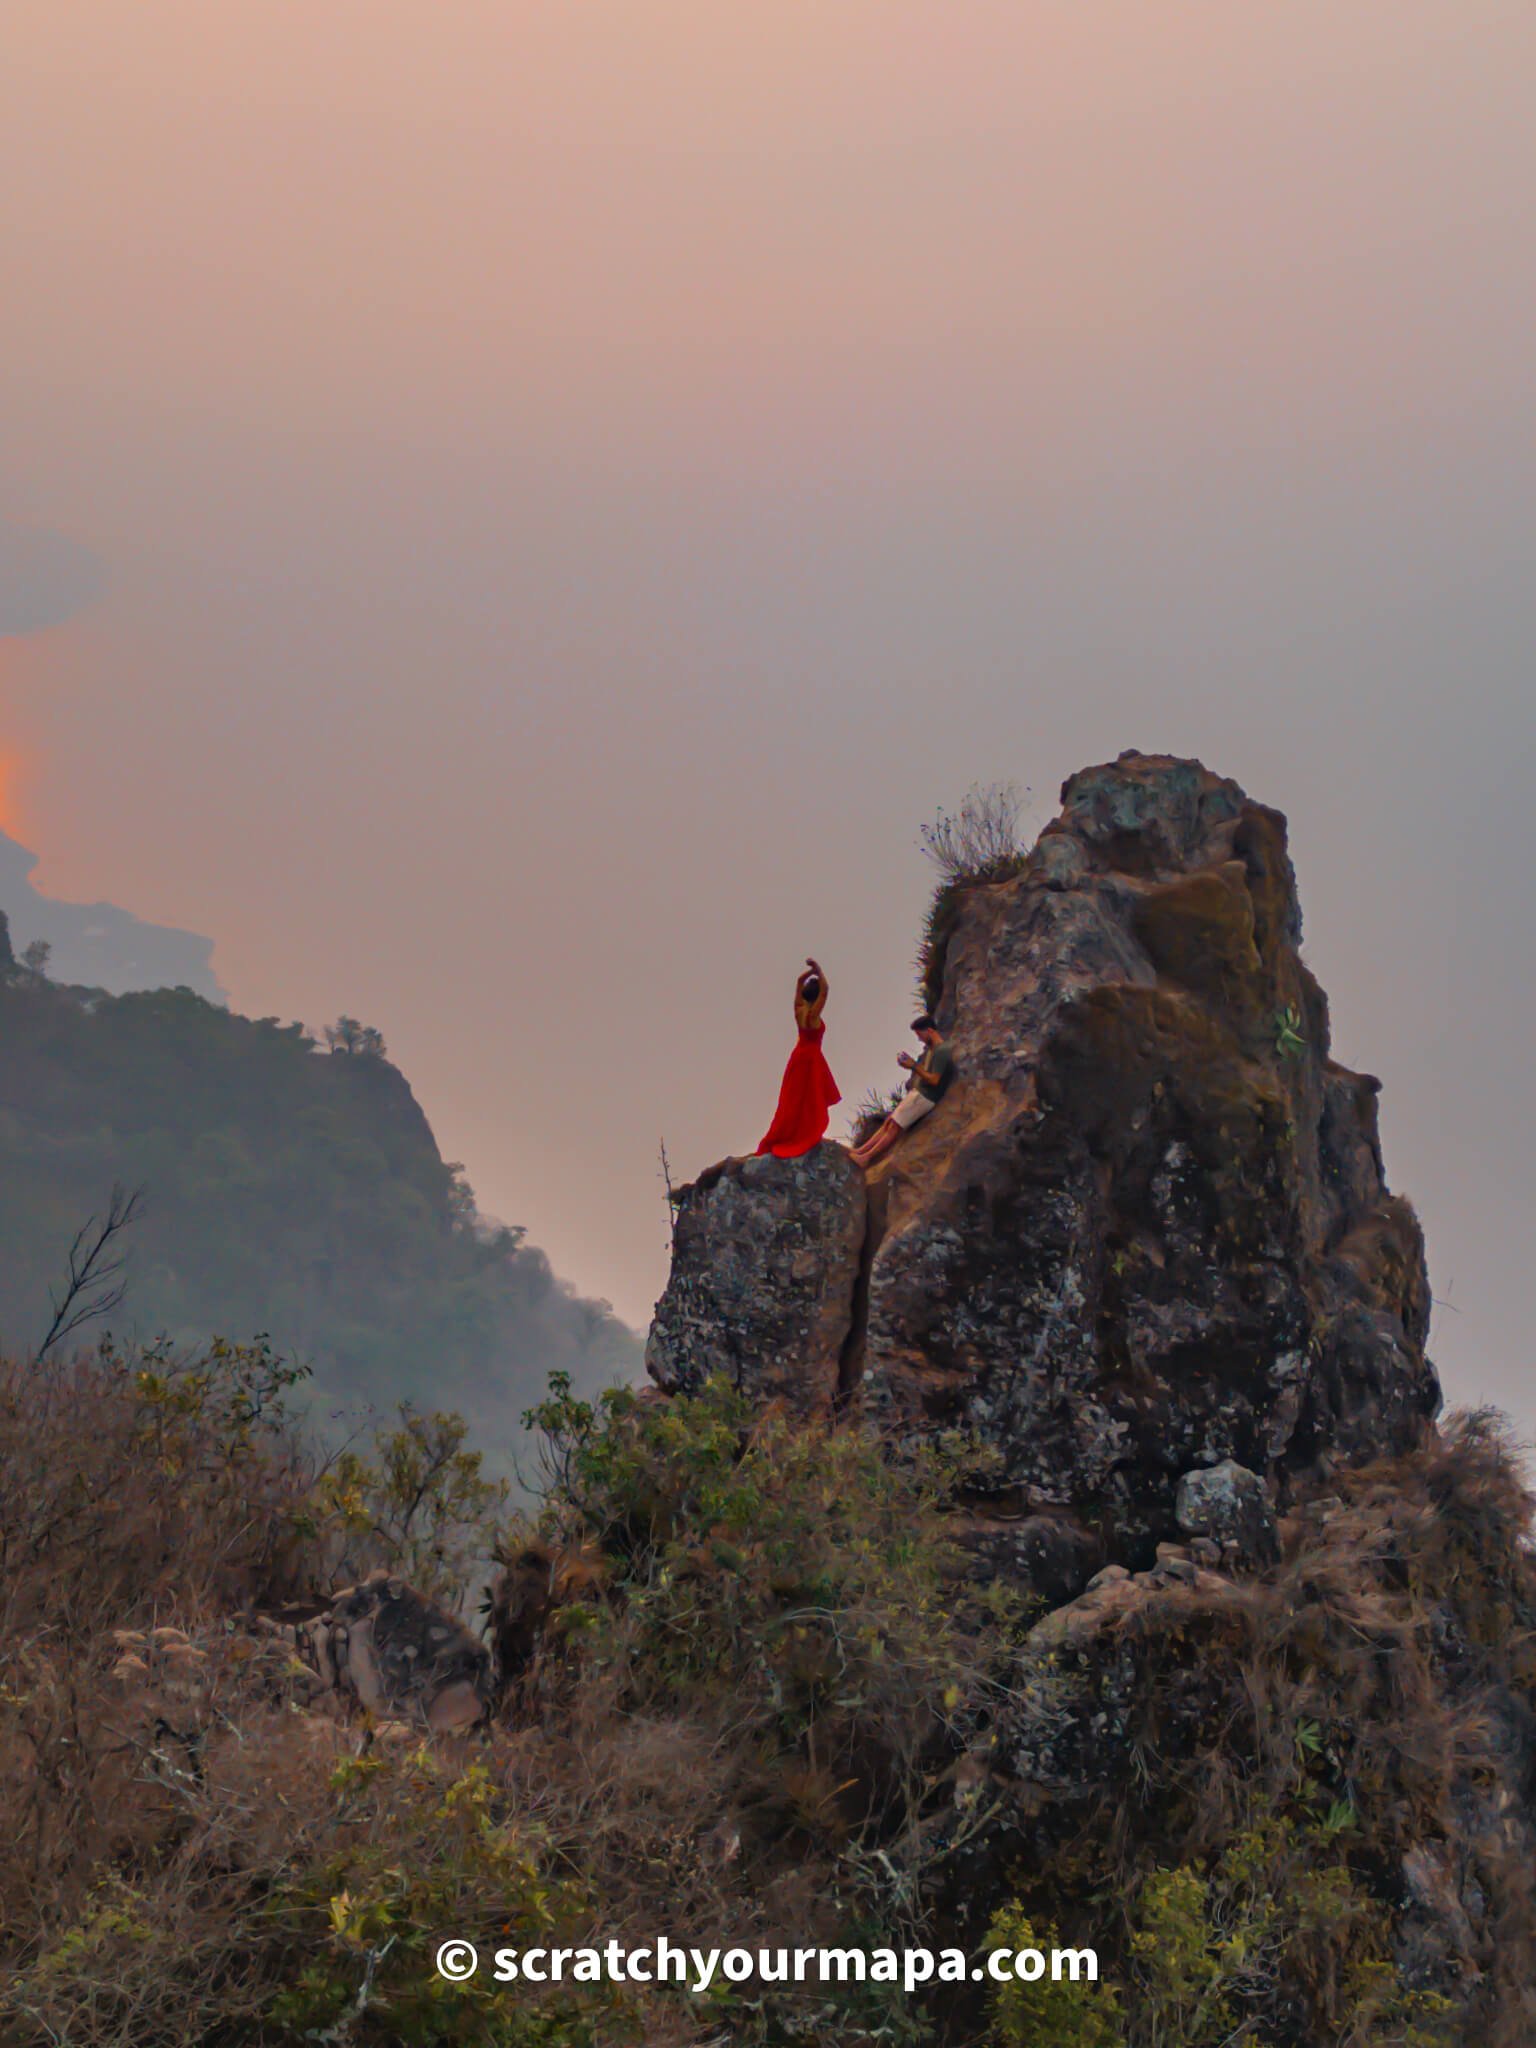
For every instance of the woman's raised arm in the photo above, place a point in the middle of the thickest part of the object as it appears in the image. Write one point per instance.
(808, 1008)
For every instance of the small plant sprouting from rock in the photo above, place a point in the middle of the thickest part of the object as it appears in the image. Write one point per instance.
(980, 841)
(874, 1106)
(1289, 1042)
(977, 844)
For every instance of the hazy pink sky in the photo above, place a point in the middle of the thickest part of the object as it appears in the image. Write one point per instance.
(574, 487)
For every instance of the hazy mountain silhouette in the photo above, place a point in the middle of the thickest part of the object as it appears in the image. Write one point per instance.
(97, 945)
(286, 1189)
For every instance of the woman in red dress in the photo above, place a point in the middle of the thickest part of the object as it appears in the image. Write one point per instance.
(808, 1090)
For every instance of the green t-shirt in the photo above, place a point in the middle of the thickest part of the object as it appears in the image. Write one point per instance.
(940, 1062)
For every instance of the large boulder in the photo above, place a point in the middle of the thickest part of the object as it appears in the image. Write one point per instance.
(1148, 1230)
(765, 1261)
(385, 1648)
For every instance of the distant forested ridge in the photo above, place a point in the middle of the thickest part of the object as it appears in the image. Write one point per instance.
(288, 1188)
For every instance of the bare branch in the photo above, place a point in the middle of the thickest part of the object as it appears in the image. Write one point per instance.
(94, 1284)
(666, 1174)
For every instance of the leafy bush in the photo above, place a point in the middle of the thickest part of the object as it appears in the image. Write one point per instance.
(1065, 2013)
(782, 1597)
(790, 1569)
(1276, 1924)
(131, 1481)
(420, 1505)
(420, 1846)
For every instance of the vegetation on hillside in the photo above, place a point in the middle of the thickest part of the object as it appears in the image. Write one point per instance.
(728, 1732)
(286, 1189)
(1324, 1761)
(753, 1716)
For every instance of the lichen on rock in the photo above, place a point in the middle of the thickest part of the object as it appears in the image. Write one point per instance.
(1228, 1504)
(764, 1271)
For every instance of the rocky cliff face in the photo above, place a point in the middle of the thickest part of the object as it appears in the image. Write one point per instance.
(1147, 1232)
(766, 1255)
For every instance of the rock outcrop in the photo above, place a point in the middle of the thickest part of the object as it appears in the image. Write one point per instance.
(385, 1648)
(1152, 1231)
(1227, 1504)
(1382, 1619)
(1148, 1230)
(765, 1266)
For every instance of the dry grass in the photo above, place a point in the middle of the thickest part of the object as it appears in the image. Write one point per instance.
(127, 1484)
(134, 1496)
(1355, 1730)
(871, 1111)
(980, 841)
(735, 1720)
(717, 1729)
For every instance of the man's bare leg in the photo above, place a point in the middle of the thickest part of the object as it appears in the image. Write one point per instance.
(876, 1147)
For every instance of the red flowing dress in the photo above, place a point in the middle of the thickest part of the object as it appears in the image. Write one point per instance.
(806, 1095)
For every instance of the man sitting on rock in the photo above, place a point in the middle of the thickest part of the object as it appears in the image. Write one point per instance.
(929, 1076)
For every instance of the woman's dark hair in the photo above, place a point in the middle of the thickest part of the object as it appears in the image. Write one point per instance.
(810, 988)
(924, 1023)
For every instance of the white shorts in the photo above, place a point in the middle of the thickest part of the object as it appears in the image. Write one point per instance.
(911, 1110)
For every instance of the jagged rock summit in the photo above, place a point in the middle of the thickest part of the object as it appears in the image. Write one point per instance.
(1148, 1230)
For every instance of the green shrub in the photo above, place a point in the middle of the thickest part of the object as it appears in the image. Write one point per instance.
(791, 1566)
(787, 1591)
(1274, 1933)
(417, 1503)
(423, 1849)
(1047, 2013)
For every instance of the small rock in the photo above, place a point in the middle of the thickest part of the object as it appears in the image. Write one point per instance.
(1175, 1562)
(385, 1648)
(1110, 1575)
(1230, 1505)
